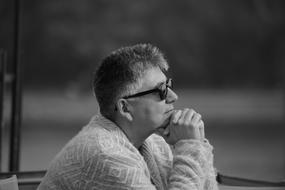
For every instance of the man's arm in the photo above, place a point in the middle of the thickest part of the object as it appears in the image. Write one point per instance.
(120, 171)
(116, 171)
(191, 168)
(193, 158)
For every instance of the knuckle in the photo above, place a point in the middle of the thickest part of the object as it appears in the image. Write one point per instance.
(188, 117)
(180, 122)
(196, 126)
(187, 122)
(185, 110)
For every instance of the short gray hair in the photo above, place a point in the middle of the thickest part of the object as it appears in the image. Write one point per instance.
(119, 73)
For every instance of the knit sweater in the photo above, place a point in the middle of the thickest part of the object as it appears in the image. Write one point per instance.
(101, 157)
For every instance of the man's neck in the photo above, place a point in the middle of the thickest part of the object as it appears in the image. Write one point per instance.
(130, 131)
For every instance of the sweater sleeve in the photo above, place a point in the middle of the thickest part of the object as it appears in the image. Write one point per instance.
(115, 171)
(192, 169)
(189, 171)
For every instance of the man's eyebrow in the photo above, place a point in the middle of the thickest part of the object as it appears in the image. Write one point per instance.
(160, 83)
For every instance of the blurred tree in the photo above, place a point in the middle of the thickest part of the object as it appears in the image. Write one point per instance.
(224, 44)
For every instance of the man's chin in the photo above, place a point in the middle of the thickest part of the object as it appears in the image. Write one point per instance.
(159, 130)
(165, 123)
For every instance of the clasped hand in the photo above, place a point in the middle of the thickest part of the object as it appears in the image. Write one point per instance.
(183, 124)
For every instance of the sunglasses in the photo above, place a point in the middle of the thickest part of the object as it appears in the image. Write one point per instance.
(162, 90)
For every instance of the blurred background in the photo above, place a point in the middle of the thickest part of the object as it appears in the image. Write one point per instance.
(226, 59)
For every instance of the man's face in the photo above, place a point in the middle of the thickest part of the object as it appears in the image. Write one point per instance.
(149, 111)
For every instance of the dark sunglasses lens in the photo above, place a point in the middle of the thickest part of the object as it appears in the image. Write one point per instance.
(169, 83)
(163, 92)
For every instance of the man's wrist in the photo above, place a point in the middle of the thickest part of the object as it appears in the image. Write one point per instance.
(182, 142)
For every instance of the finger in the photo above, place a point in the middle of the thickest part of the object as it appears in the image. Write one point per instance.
(166, 131)
(184, 112)
(186, 116)
(202, 129)
(189, 115)
(196, 118)
(176, 116)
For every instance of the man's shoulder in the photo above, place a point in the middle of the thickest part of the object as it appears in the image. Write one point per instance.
(97, 139)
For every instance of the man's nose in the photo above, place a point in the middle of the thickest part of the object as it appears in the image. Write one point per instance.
(171, 96)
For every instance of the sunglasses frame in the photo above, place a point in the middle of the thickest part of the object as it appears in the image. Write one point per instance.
(162, 90)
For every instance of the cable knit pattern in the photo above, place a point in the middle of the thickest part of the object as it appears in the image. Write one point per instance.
(101, 157)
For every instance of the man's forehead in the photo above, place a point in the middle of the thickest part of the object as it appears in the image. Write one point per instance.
(153, 77)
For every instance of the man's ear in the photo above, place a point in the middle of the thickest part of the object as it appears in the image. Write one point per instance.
(124, 109)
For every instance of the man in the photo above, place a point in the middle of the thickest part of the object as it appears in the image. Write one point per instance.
(138, 141)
